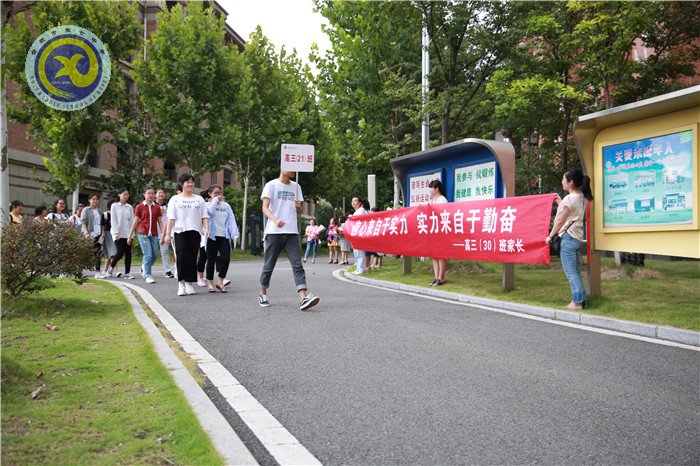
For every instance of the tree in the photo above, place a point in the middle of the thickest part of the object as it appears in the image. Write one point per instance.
(369, 88)
(70, 136)
(133, 136)
(469, 41)
(184, 84)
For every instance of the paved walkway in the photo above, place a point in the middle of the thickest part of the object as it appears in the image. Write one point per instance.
(376, 376)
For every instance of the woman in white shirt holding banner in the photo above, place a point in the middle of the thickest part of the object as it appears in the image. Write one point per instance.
(188, 220)
(437, 196)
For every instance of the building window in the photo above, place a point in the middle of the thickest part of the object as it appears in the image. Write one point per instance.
(228, 178)
(93, 159)
(170, 171)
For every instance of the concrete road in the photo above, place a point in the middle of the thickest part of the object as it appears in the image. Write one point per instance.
(371, 376)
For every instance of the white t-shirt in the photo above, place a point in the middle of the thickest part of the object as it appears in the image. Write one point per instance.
(96, 224)
(187, 212)
(438, 200)
(282, 198)
(574, 221)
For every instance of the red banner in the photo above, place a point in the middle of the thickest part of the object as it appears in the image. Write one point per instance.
(511, 229)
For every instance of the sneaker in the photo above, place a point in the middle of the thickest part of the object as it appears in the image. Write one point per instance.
(128, 276)
(358, 272)
(143, 274)
(98, 275)
(181, 289)
(189, 289)
(106, 274)
(150, 279)
(262, 300)
(201, 282)
(119, 274)
(308, 302)
(110, 270)
(169, 275)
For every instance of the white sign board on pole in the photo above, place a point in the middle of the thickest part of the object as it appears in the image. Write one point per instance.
(475, 182)
(297, 158)
(418, 190)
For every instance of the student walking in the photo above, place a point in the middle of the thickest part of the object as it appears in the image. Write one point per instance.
(58, 213)
(76, 219)
(16, 212)
(311, 239)
(568, 225)
(188, 221)
(437, 196)
(202, 255)
(345, 246)
(147, 222)
(122, 218)
(41, 212)
(110, 249)
(164, 248)
(332, 239)
(222, 230)
(91, 224)
(282, 200)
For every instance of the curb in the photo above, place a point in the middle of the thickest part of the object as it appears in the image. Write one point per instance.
(274, 437)
(658, 332)
(223, 437)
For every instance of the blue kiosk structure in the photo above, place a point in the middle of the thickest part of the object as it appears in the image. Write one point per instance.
(470, 169)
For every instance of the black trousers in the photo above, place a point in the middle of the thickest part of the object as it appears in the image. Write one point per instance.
(97, 250)
(123, 250)
(186, 249)
(222, 246)
(202, 260)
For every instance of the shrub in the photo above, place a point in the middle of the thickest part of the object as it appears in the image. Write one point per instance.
(35, 249)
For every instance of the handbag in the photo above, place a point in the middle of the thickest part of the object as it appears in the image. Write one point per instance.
(555, 245)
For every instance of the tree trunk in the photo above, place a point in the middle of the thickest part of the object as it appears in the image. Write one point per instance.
(245, 214)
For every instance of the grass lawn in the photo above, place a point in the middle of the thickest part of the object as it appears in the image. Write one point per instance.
(662, 293)
(106, 397)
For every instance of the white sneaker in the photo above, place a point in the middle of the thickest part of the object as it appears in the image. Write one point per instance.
(106, 274)
(143, 274)
(189, 289)
(98, 275)
(358, 272)
(181, 289)
(128, 276)
(150, 279)
(109, 271)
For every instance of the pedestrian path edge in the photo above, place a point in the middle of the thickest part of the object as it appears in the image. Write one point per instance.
(273, 436)
(657, 332)
(225, 440)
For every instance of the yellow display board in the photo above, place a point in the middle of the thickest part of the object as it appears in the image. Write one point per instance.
(645, 180)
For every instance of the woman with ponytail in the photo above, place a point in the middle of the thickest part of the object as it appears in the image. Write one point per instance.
(568, 225)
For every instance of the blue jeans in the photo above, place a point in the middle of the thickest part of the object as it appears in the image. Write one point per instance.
(570, 253)
(274, 244)
(309, 244)
(150, 247)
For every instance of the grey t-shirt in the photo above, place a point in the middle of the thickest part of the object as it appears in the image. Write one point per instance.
(220, 216)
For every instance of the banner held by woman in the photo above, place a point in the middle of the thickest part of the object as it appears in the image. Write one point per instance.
(496, 230)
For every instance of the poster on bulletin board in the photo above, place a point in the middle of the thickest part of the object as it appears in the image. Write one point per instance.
(649, 182)
(475, 182)
(419, 192)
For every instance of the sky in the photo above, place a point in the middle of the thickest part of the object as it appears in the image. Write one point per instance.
(291, 23)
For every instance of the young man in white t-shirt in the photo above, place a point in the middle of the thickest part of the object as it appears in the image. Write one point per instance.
(282, 200)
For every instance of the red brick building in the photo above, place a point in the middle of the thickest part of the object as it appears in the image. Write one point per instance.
(26, 162)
